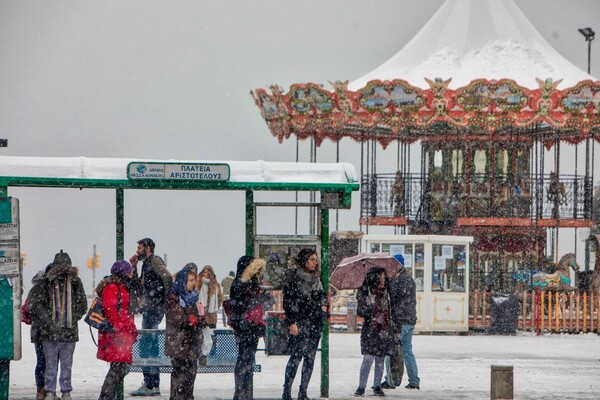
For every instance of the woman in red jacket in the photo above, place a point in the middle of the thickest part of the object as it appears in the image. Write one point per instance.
(117, 294)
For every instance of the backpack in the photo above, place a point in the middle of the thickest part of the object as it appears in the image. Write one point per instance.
(95, 317)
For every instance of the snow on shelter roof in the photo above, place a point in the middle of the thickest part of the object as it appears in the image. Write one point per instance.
(115, 169)
(473, 39)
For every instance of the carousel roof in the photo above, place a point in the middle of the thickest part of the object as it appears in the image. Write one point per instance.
(490, 76)
(472, 39)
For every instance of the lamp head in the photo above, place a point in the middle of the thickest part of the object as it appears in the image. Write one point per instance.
(588, 33)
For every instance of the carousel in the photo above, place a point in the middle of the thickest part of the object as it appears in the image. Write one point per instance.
(492, 133)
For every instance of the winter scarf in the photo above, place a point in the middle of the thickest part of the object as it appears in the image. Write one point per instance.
(62, 303)
(309, 281)
(180, 287)
(380, 320)
(208, 295)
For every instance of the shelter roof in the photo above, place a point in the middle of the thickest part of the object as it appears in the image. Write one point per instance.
(473, 39)
(112, 172)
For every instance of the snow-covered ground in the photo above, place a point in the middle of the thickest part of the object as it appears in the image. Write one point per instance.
(450, 367)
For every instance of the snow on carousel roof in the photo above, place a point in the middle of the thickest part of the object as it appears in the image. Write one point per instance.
(115, 169)
(472, 39)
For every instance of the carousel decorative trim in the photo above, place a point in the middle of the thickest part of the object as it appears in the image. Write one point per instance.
(386, 111)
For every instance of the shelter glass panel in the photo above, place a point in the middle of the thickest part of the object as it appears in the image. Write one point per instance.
(448, 268)
(419, 266)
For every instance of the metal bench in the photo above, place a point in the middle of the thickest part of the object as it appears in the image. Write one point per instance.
(221, 359)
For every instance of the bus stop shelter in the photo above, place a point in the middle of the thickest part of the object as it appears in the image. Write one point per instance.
(334, 181)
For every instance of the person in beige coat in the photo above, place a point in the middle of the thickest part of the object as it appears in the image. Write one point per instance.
(210, 299)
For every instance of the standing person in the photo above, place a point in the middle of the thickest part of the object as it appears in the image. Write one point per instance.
(40, 366)
(226, 288)
(247, 320)
(210, 298)
(58, 302)
(403, 294)
(377, 334)
(156, 281)
(183, 334)
(117, 293)
(305, 306)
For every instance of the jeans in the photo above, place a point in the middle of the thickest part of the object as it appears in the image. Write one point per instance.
(149, 346)
(40, 366)
(409, 358)
(365, 369)
(55, 353)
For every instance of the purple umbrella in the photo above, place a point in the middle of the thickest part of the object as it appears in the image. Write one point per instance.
(351, 271)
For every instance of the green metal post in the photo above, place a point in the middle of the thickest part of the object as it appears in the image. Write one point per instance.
(325, 278)
(250, 223)
(250, 248)
(4, 378)
(120, 250)
(120, 224)
(7, 339)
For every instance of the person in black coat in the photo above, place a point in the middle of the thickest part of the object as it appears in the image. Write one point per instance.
(305, 306)
(403, 293)
(247, 320)
(377, 334)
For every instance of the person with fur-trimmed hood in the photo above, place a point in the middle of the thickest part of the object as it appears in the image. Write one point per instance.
(247, 320)
(118, 293)
(58, 302)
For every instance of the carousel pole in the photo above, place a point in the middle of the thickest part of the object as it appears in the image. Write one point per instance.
(586, 204)
(296, 208)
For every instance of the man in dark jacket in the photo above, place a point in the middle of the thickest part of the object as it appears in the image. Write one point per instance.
(57, 303)
(403, 294)
(156, 281)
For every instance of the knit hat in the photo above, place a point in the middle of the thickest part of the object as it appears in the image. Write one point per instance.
(399, 258)
(121, 267)
(61, 259)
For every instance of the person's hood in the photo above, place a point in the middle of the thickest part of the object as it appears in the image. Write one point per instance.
(249, 267)
(62, 270)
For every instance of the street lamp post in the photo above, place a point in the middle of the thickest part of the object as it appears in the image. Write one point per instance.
(589, 35)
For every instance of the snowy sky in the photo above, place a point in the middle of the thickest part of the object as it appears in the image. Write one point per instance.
(170, 80)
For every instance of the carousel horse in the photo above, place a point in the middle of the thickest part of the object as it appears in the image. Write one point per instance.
(559, 280)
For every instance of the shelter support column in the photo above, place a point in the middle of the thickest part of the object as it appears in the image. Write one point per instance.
(250, 223)
(325, 277)
(120, 253)
(120, 223)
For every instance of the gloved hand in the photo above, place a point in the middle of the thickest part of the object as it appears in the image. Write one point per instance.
(193, 321)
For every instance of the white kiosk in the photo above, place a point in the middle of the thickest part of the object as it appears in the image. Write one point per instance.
(440, 267)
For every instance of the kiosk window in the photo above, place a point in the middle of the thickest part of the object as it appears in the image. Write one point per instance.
(448, 268)
(419, 269)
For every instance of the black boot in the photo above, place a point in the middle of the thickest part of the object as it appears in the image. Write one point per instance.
(377, 391)
(360, 392)
(302, 395)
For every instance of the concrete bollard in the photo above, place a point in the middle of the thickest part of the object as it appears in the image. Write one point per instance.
(501, 387)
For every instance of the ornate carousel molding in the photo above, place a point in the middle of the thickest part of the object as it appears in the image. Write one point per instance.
(386, 111)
